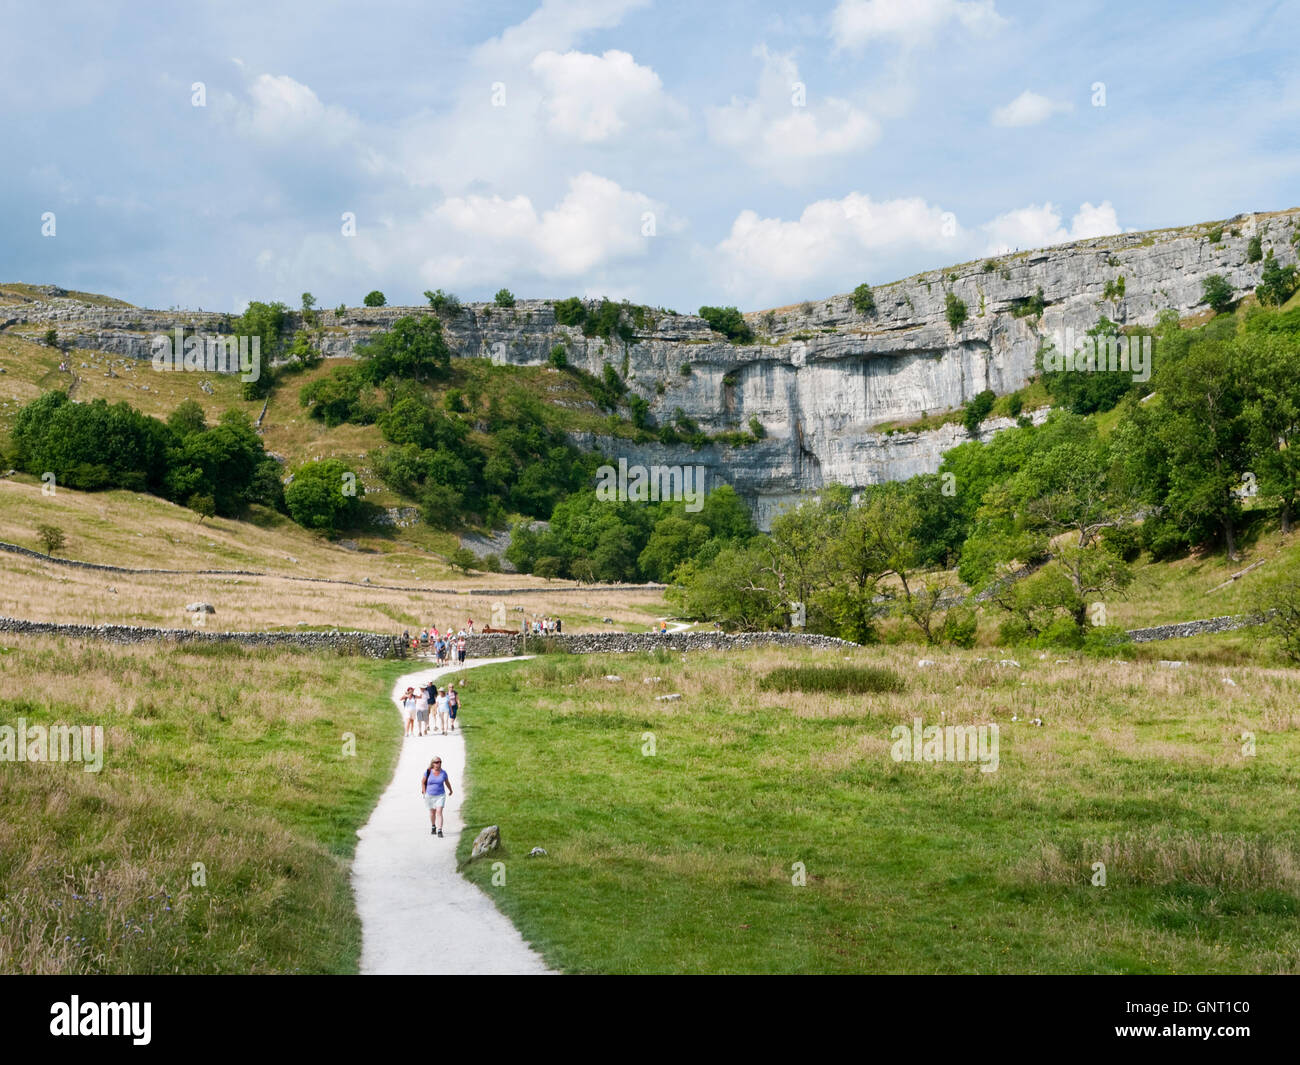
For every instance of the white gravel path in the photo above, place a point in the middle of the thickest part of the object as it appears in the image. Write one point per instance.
(418, 914)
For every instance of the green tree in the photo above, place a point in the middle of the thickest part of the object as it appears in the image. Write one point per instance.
(864, 300)
(412, 348)
(443, 303)
(464, 559)
(187, 418)
(1254, 250)
(51, 537)
(374, 298)
(504, 298)
(1216, 291)
(729, 322)
(978, 409)
(324, 495)
(572, 312)
(1276, 282)
(1271, 374)
(1185, 454)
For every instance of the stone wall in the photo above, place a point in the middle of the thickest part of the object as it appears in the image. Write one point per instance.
(491, 646)
(1194, 628)
(370, 644)
(487, 593)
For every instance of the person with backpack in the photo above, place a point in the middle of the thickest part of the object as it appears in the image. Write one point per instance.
(453, 705)
(435, 787)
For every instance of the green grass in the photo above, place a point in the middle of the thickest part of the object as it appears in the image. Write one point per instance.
(847, 680)
(216, 755)
(686, 859)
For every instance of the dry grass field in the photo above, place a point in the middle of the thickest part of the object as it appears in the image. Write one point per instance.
(144, 532)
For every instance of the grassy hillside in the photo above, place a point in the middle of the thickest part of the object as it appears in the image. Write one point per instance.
(229, 758)
(684, 860)
(143, 532)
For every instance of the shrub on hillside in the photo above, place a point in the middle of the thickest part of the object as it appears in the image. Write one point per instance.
(978, 409)
(955, 310)
(1216, 291)
(729, 322)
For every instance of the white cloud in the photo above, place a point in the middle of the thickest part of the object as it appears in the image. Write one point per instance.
(556, 24)
(1039, 226)
(596, 223)
(281, 109)
(834, 244)
(594, 98)
(831, 242)
(785, 125)
(1027, 109)
(855, 23)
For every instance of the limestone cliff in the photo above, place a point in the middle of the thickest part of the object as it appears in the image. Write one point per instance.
(820, 378)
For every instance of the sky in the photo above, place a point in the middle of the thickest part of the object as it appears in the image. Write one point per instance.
(674, 154)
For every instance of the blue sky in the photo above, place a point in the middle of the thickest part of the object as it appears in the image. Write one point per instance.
(669, 153)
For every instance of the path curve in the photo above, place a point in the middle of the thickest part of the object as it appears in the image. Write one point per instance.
(418, 914)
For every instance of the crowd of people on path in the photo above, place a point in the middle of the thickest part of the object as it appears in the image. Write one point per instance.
(429, 709)
(544, 626)
(447, 646)
(431, 703)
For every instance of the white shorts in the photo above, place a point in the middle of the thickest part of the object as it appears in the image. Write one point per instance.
(435, 802)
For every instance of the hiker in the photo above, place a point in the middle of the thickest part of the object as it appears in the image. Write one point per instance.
(460, 650)
(408, 704)
(422, 712)
(559, 626)
(453, 705)
(471, 626)
(441, 704)
(435, 787)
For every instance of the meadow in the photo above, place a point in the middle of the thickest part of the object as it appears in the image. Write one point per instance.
(217, 837)
(738, 830)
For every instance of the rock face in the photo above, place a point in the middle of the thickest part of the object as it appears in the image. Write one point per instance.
(821, 379)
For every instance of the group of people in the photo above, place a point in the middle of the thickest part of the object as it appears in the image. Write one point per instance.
(419, 704)
(447, 646)
(544, 626)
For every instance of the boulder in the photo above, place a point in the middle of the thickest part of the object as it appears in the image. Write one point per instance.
(200, 608)
(485, 842)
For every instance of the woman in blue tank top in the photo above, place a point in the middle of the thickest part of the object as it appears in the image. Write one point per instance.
(435, 787)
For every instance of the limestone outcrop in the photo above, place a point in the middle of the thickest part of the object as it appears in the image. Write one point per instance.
(821, 379)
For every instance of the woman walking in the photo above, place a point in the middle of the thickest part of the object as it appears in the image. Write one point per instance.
(441, 704)
(435, 787)
(453, 705)
(422, 712)
(408, 705)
